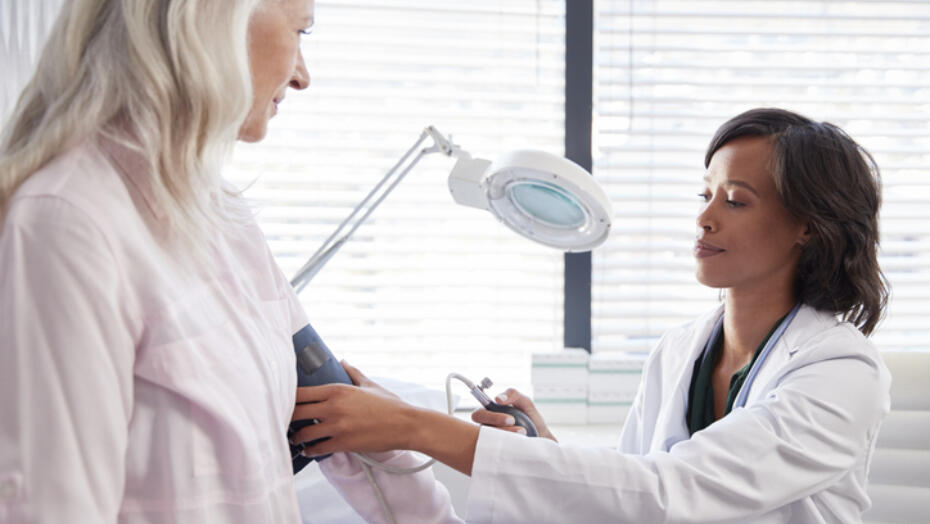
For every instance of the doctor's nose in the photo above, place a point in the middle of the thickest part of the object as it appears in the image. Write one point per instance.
(705, 220)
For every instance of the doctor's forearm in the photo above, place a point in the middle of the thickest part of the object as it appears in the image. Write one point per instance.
(447, 439)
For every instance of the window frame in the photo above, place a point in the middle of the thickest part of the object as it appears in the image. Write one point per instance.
(579, 127)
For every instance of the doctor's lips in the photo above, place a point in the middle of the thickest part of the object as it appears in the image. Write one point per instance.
(703, 249)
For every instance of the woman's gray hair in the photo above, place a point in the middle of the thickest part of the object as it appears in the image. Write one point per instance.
(168, 78)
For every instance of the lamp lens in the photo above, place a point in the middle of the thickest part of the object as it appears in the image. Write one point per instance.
(547, 203)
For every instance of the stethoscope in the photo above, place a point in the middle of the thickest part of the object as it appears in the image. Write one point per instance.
(741, 397)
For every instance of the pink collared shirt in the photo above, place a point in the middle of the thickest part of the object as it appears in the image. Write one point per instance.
(137, 387)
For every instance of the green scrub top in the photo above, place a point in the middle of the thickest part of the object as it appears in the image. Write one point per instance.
(700, 413)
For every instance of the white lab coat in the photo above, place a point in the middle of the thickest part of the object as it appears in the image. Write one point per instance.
(798, 452)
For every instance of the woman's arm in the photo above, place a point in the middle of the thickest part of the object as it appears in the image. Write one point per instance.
(66, 360)
(411, 498)
(805, 436)
(445, 438)
(416, 497)
(808, 433)
(369, 419)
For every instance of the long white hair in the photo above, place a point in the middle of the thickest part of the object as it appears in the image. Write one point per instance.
(168, 78)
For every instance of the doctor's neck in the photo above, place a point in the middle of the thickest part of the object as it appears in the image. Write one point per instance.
(750, 314)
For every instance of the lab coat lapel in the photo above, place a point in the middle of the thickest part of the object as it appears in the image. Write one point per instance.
(806, 323)
(671, 426)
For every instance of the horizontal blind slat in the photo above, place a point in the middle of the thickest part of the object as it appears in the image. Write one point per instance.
(667, 74)
(424, 282)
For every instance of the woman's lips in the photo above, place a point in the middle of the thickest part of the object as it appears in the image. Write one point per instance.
(704, 250)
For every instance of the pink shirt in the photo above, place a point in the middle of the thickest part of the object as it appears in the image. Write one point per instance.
(140, 388)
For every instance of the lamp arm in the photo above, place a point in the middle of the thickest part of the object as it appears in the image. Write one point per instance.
(329, 247)
(365, 200)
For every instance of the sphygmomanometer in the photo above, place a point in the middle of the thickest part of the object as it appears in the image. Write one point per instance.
(518, 189)
(316, 366)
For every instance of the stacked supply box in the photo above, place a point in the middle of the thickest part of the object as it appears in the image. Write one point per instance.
(613, 379)
(560, 385)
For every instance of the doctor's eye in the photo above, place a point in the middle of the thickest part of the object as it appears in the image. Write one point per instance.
(734, 203)
(705, 196)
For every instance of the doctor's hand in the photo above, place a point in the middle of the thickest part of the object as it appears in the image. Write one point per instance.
(366, 418)
(360, 380)
(514, 398)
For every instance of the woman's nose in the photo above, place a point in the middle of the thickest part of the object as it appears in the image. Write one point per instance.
(705, 219)
(301, 78)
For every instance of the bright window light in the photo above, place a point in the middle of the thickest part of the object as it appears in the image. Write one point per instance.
(425, 286)
(669, 73)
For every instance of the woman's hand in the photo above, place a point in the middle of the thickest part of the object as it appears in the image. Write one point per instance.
(514, 398)
(366, 418)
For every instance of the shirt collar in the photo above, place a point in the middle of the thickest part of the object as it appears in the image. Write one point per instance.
(133, 167)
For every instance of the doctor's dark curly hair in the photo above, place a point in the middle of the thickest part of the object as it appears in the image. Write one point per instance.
(826, 179)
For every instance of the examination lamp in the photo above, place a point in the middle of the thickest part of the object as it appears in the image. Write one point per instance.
(541, 196)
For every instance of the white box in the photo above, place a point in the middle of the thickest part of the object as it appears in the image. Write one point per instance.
(616, 373)
(562, 404)
(606, 407)
(560, 368)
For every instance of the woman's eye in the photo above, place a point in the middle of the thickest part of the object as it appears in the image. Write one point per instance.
(706, 197)
(305, 32)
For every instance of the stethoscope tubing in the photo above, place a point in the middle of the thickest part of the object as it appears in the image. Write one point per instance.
(743, 394)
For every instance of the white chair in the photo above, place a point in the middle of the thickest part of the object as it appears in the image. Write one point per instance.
(899, 480)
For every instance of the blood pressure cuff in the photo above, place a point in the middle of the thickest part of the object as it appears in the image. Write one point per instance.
(316, 366)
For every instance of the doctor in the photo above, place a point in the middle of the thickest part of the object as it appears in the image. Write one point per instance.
(763, 410)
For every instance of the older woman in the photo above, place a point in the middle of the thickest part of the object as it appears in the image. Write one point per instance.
(147, 372)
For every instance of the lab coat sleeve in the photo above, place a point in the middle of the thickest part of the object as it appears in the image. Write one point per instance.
(631, 438)
(415, 499)
(65, 368)
(808, 432)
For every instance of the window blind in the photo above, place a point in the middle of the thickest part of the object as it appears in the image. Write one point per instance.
(425, 287)
(668, 73)
(24, 25)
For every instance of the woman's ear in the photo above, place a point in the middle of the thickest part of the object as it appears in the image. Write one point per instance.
(805, 235)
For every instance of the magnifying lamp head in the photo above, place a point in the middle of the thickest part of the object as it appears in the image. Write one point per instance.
(544, 197)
